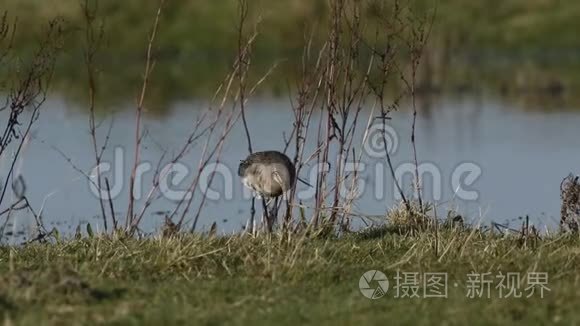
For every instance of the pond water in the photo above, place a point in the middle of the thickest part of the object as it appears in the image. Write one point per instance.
(490, 160)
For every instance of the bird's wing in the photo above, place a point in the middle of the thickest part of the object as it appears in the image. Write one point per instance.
(278, 179)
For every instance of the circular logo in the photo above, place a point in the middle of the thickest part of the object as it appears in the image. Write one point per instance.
(381, 138)
(373, 284)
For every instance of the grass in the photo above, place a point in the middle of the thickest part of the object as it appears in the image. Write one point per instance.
(196, 279)
(197, 42)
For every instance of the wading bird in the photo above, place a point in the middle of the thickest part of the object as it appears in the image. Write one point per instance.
(269, 174)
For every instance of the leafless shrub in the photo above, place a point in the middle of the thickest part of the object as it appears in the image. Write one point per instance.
(26, 85)
(349, 71)
(93, 34)
(210, 128)
(132, 221)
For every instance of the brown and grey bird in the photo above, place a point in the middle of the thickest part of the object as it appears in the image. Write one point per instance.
(269, 174)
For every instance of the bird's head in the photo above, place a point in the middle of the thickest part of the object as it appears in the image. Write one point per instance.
(242, 167)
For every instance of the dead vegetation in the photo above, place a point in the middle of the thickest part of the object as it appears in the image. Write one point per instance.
(265, 279)
(24, 84)
(570, 210)
(347, 71)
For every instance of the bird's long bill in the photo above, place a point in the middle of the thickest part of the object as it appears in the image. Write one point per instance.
(304, 182)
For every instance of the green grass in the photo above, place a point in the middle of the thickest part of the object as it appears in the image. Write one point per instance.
(194, 279)
(197, 43)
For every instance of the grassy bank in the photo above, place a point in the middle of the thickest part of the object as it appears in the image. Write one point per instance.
(519, 47)
(266, 280)
(512, 24)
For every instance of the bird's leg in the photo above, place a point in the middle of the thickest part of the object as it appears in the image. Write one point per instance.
(266, 217)
(271, 212)
(288, 212)
(252, 215)
(274, 211)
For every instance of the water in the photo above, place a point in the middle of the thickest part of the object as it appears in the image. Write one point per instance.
(518, 156)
